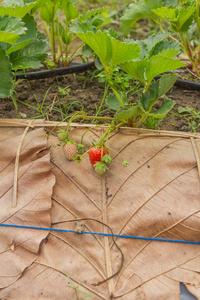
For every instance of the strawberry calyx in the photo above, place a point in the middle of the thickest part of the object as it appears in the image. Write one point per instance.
(100, 168)
(125, 163)
(80, 148)
(70, 142)
(106, 159)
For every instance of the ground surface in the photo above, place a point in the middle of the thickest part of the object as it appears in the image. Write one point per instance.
(82, 93)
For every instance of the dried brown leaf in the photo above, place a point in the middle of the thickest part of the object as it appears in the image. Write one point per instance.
(156, 196)
(20, 247)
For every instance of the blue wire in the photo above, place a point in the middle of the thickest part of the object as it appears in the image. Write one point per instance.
(103, 234)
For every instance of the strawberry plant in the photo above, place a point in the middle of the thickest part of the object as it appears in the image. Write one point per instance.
(143, 61)
(181, 16)
(22, 46)
(58, 28)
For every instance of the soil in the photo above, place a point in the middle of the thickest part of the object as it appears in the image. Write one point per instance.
(83, 93)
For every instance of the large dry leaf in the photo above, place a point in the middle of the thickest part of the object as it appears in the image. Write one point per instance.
(157, 195)
(19, 247)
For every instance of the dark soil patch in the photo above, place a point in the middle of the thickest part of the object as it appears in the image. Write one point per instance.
(84, 94)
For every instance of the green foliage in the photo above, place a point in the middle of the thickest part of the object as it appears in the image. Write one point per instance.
(21, 44)
(146, 69)
(71, 12)
(127, 113)
(154, 58)
(6, 77)
(180, 16)
(24, 39)
(31, 55)
(59, 32)
(16, 8)
(96, 17)
(113, 102)
(10, 29)
(110, 51)
(136, 11)
(192, 116)
(144, 106)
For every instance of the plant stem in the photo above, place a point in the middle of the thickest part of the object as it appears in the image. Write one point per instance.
(53, 43)
(66, 36)
(187, 51)
(198, 24)
(89, 130)
(111, 84)
(170, 36)
(140, 121)
(197, 17)
(74, 53)
(47, 30)
(60, 53)
(103, 100)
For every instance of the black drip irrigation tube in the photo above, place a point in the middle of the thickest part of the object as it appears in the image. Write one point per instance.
(73, 68)
(81, 67)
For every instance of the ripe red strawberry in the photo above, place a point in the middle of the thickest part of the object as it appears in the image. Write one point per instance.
(95, 154)
(70, 150)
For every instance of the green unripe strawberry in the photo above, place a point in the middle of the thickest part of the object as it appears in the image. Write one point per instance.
(62, 135)
(100, 168)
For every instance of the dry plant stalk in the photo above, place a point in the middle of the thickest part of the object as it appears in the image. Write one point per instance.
(17, 164)
(196, 153)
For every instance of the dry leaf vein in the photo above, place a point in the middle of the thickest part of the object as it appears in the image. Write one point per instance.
(72, 278)
(145, 202)
(135, 170)
(77, 185)
(81, 253)
(154, 277)
(77, 217)
(155, 236)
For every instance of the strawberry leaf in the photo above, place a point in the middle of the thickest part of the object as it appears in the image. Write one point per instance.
(160, 64)
(10, 29)
(31, 55)
(110, 51)
(166, 106)
(16, 8)
(137, 11)
(148, 99)
(166, 82)
(71, 12)
(127, 113)
(113, 102)
(136, 69)
(26, 38)
(6, 76)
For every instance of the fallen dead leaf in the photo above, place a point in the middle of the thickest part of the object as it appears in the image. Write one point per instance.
(156, 196)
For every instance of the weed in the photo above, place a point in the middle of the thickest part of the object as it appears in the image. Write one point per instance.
(40, 107)
(77, 291)
(192, 116)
